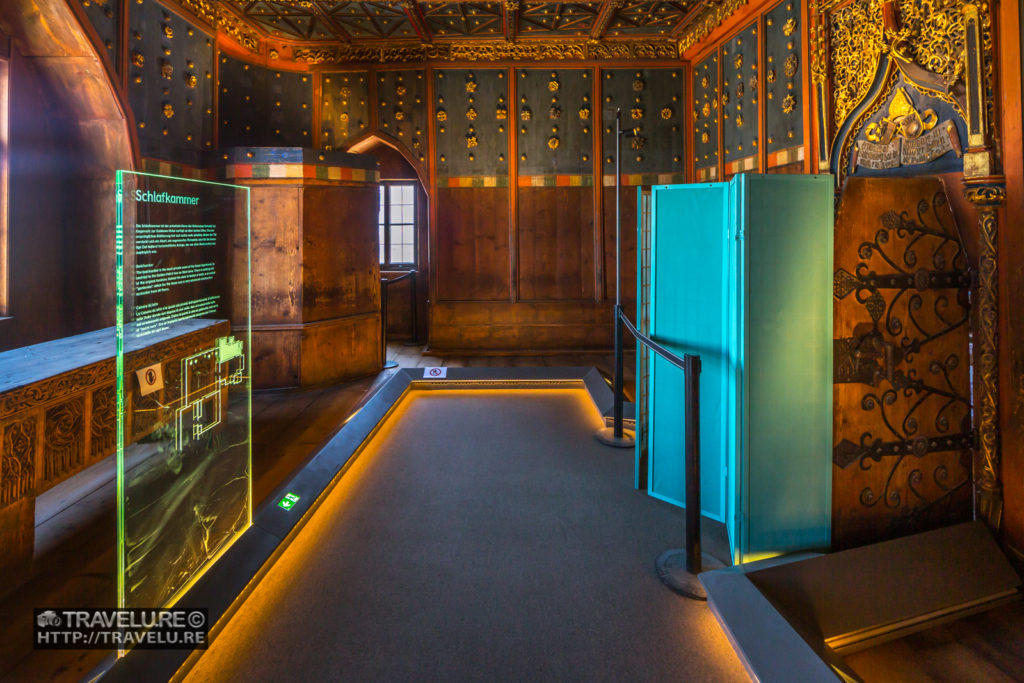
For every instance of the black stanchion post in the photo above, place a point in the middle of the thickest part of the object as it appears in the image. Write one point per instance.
(679, 569)
(384, 321)
(618, 381)
(617, 436)
(692, 393)
(412, 306)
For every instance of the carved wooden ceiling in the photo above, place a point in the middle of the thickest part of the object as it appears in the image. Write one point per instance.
(326, 21)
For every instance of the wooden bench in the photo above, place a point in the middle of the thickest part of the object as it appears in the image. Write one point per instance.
(58, 416)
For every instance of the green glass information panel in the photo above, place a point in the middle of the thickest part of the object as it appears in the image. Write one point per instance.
(184, 474)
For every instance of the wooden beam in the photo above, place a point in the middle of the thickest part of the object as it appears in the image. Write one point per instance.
(412, 11)
(690, 16)
(510, 18)
(604, 18)
(332, 24)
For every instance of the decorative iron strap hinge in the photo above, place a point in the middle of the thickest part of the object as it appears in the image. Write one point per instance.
(845, 453)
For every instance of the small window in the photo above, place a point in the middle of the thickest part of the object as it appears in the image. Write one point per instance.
(396, 222)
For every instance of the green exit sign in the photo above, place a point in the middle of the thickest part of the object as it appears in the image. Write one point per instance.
(288, 502)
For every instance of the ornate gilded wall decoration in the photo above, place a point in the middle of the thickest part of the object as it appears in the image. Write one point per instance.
(471, 140)
(191, 81)
(553, 85)
(707, 21)
(855, 39)
(739, 91)
(584, 113)
(706, 109)
(638, 141)
(636, 113)
(501, 112)
(167, 70)
(525, 114)
(704, 137)
(905, 137)
(789, 27)
(553, 142)
(739, 122)
(471, 113)
(737, 61)
(666, 113)
(400, 90)
(399, 115)
(168, 31)
(788, 103)
(138, 59)
(168, 111)
(442, 115)
(704, 82)
(471, 86)
(931, 35)
(554, 112)
(638, 85)
(476, 51)
(792, 61)
(770, 76)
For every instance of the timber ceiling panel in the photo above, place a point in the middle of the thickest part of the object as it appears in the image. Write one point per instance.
(560, 18)
(319, 21)
(470, 19)
(298, 20)
(648, 18)
(373, 19)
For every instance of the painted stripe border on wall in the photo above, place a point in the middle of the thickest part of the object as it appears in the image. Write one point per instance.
(786, 156)
(634, 179)
(556, 181)
(270, 171)
(472, 181)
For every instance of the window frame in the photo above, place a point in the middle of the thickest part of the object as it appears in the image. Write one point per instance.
(385, 191)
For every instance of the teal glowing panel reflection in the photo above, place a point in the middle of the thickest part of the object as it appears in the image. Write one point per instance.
(184, 470)
(742, 274)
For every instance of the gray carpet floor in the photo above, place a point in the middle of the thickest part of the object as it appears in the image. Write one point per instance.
(482, 536)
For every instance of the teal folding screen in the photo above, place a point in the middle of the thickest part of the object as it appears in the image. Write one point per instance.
(741, 273)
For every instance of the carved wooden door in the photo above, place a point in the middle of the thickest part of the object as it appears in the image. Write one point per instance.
(902, 374)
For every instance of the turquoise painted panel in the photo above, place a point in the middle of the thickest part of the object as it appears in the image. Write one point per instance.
(741, 273)
(788, 372)
(689, 277)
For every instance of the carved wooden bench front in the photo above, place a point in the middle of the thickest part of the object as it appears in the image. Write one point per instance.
(58, 416)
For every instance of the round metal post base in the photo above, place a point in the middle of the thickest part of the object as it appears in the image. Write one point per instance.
(388, 364)
(671, 566)
(607, 437)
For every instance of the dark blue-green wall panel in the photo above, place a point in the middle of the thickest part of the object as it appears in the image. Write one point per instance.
(170, 84)
(784, 122)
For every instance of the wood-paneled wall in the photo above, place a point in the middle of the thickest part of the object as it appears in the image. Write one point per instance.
(556, 244)
(67, 136)
(472, 244)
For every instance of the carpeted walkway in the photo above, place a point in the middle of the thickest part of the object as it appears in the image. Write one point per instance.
(489, 537)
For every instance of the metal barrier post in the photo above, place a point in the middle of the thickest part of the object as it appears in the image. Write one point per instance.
(385, 363)
(412, 306)
(616, 435)
(679, 569)
(692, 393)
